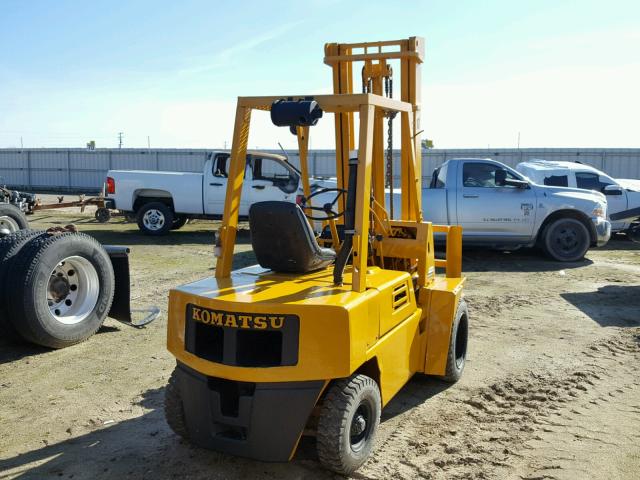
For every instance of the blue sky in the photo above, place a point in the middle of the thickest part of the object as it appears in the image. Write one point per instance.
(562, 73)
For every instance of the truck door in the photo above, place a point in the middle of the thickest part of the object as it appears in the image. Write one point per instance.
(486, 209)
(271, 179)
(215, 187)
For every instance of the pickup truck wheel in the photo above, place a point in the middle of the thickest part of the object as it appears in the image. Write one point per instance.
(348, 423)
(155, 218)
(179, 222)
(566, 240)
(60, 289)
(12, 218)
(457, 355)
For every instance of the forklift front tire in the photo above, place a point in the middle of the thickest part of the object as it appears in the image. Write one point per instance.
(174, 409)
(348, 423)
(457, 355)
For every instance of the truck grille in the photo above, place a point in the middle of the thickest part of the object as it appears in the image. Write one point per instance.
(242, 339)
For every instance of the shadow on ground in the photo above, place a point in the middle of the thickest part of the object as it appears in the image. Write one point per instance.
(144, 447)
(522, 260)
(609, 306)
(16, 349)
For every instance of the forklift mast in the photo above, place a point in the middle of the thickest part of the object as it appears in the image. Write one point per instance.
(376, 74)
(376, 238)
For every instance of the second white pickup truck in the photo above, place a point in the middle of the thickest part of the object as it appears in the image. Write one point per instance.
(622, 194)
(164, 201)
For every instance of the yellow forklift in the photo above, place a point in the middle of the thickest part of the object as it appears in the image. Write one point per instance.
(318, 339)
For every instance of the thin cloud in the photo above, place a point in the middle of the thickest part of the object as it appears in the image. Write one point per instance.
(223, 57)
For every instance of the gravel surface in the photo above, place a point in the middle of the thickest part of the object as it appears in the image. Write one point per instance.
(551, 389)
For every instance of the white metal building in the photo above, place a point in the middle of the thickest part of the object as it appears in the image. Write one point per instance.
(81, 170)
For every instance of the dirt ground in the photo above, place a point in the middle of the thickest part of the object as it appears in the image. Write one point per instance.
(551, 389)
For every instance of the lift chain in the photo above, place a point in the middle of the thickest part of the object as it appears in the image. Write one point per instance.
(388, 90)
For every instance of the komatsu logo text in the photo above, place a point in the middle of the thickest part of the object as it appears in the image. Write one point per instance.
(236, 320)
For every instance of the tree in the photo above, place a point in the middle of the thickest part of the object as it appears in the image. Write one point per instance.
(427, 144)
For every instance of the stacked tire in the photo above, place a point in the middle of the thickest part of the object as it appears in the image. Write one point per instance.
(55, 289)
(12, 219)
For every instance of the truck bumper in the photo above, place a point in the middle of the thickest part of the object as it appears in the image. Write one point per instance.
(603, 231)
(263, 421)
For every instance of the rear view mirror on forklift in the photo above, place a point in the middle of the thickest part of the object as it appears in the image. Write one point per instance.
(320, 338)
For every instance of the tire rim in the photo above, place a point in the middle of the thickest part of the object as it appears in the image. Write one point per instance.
(566, 239)
(73, 290)
(8, 223)
(361, 427)
(153, 219)
(462, 334)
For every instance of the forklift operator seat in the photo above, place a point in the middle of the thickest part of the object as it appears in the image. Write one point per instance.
(283, 240)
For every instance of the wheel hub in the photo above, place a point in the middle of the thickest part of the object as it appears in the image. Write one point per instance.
(73, 290)
(153, 219)
(8, 223)
(59, 288)
(358, 425)
(567, 239)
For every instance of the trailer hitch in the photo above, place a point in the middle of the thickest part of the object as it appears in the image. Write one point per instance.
(121, 307)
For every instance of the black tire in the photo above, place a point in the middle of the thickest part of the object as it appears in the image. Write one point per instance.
(348, 402)
(91, 285)
(159, 215)
(179, 222)
(12, 218)
(457, 355)
(103, 215)
(173, 407)
(10, 245)
(566, 240)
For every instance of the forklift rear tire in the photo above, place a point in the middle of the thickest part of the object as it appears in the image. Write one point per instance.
(348, 423)
(173, 408)
(457, 355)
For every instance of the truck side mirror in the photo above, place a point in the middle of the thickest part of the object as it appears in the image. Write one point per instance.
(612, 190)
(501, 177)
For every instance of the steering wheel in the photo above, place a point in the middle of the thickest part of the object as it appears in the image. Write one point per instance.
(327, 208)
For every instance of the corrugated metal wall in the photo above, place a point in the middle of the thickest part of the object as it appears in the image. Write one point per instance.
(81, 170)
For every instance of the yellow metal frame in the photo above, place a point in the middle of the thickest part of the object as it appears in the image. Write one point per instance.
(393, 315)
(366, 105)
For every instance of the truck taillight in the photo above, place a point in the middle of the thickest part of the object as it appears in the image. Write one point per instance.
(111, 186)
(299, 199)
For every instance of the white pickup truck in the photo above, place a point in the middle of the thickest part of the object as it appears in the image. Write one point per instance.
(500, 208)
(622, 194)
(164, 201)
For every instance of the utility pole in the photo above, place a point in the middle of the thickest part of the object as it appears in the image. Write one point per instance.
(21, 144)
(148, 142)
(518, 140)
(120, 135)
